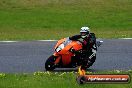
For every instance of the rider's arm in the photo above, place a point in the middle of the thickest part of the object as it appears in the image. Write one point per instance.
(93, 38)
(93, 41)
(75, 37)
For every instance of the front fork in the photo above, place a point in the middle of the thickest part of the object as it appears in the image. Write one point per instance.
(57, 60)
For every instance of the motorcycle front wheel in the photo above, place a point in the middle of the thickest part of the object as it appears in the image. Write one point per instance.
(49, 64)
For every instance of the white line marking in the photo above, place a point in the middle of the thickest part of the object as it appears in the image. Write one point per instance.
(9, 41)
(47, 40)
(125, 38)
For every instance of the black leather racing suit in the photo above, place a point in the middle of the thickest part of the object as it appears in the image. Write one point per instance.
(88, 43)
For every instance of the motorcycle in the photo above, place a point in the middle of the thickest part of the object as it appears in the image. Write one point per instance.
(64, 57)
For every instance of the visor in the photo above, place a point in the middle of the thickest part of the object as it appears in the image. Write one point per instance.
(84, 33)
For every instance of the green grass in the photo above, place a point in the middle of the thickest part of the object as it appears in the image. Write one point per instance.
(54, 80)
(54, 19)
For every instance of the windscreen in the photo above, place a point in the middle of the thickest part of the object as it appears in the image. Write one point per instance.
(67, 41)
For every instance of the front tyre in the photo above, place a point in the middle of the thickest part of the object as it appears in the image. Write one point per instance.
(49, 64)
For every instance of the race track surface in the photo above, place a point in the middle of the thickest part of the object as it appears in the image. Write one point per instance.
(28, 57)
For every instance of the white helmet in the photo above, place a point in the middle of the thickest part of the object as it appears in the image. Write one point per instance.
(84, 32)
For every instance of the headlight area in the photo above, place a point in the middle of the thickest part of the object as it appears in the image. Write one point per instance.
(59, 48)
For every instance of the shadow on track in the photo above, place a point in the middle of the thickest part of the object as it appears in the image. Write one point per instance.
(73, 70)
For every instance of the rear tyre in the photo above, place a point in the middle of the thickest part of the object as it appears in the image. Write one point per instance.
(49, 64)
(86, 64)
(93, 60)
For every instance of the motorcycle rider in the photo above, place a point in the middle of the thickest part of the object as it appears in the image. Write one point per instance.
(89, 48)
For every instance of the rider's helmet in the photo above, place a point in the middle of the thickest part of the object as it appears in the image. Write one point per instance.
(84, 32)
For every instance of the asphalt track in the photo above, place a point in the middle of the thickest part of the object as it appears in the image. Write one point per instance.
(30, 56)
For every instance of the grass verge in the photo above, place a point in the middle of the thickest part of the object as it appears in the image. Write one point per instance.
(54, 19)
(55, 80)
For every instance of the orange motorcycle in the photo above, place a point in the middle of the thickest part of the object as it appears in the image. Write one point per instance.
(64, 57)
